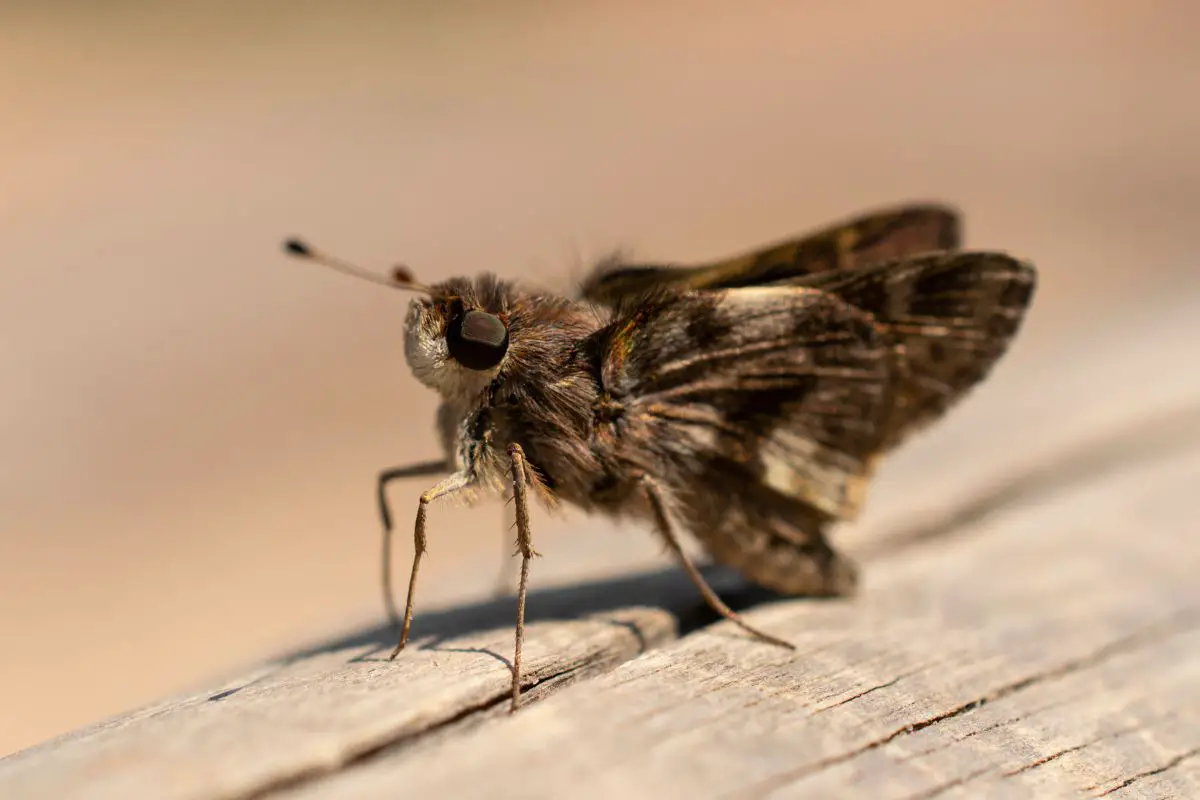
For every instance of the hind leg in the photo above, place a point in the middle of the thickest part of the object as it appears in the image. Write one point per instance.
(658, 507)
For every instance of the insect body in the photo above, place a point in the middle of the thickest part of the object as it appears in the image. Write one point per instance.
(745, 401)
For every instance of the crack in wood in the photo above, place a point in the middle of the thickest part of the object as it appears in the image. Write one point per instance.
(1041, 762)
(906, 674)
(1163, 629)
(863, 693)
(474, 712)
(1058, 703)
(1150, 773)
(965, 779)
(1076, 748)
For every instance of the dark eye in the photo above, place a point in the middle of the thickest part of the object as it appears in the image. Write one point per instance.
(477, 339)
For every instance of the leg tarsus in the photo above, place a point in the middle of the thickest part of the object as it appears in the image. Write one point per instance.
(451, 484)
(520, 479)
(386, 477)
(657, 505)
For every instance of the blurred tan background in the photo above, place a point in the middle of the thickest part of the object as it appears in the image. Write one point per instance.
(191, 424)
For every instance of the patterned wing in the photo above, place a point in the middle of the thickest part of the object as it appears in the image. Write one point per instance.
(804, 387)
(868, 239)
(949, 318)
(782, 388)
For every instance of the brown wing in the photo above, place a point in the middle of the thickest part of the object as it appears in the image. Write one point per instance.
(867, 239)
(784, 388)
(949, 316)
(788, 380)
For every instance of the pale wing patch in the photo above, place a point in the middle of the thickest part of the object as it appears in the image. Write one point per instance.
(791, 382)
(793, 465)
(802, 457)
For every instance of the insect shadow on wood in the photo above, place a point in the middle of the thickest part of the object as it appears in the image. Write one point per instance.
(746, 401)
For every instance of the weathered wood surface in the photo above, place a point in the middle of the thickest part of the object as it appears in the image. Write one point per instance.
(1029, 626)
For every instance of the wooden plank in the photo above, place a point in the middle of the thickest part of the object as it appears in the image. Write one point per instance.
(1066, 483)
(1053, 649)
(322, 709)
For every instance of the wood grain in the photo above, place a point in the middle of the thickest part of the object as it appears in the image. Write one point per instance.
(1052, 648)
(1029, 626)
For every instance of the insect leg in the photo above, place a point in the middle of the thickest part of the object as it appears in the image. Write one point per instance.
(385, 515)
(457, 481)
(520, 479)
(655, 496)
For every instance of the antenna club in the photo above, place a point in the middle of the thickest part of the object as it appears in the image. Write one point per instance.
(400, 277)
(297, 247)
(402, 274)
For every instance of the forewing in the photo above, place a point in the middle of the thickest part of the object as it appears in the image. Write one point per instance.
(949, 316)
(850, 244)
(791, 386)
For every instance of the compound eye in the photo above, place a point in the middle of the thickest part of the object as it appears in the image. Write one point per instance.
(477, 340)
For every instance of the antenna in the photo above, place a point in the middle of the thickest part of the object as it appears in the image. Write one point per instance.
(401, 276)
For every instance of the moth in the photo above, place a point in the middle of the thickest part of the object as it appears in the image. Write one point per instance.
(745, 401)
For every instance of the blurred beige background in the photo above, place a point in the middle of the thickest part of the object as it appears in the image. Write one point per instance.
(191, 423)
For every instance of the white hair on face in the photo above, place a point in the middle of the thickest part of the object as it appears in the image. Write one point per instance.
(429, 358)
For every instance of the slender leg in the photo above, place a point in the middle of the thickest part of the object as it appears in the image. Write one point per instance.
(454, 483)
(654, 495)
(385, 515)
(520, 479)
